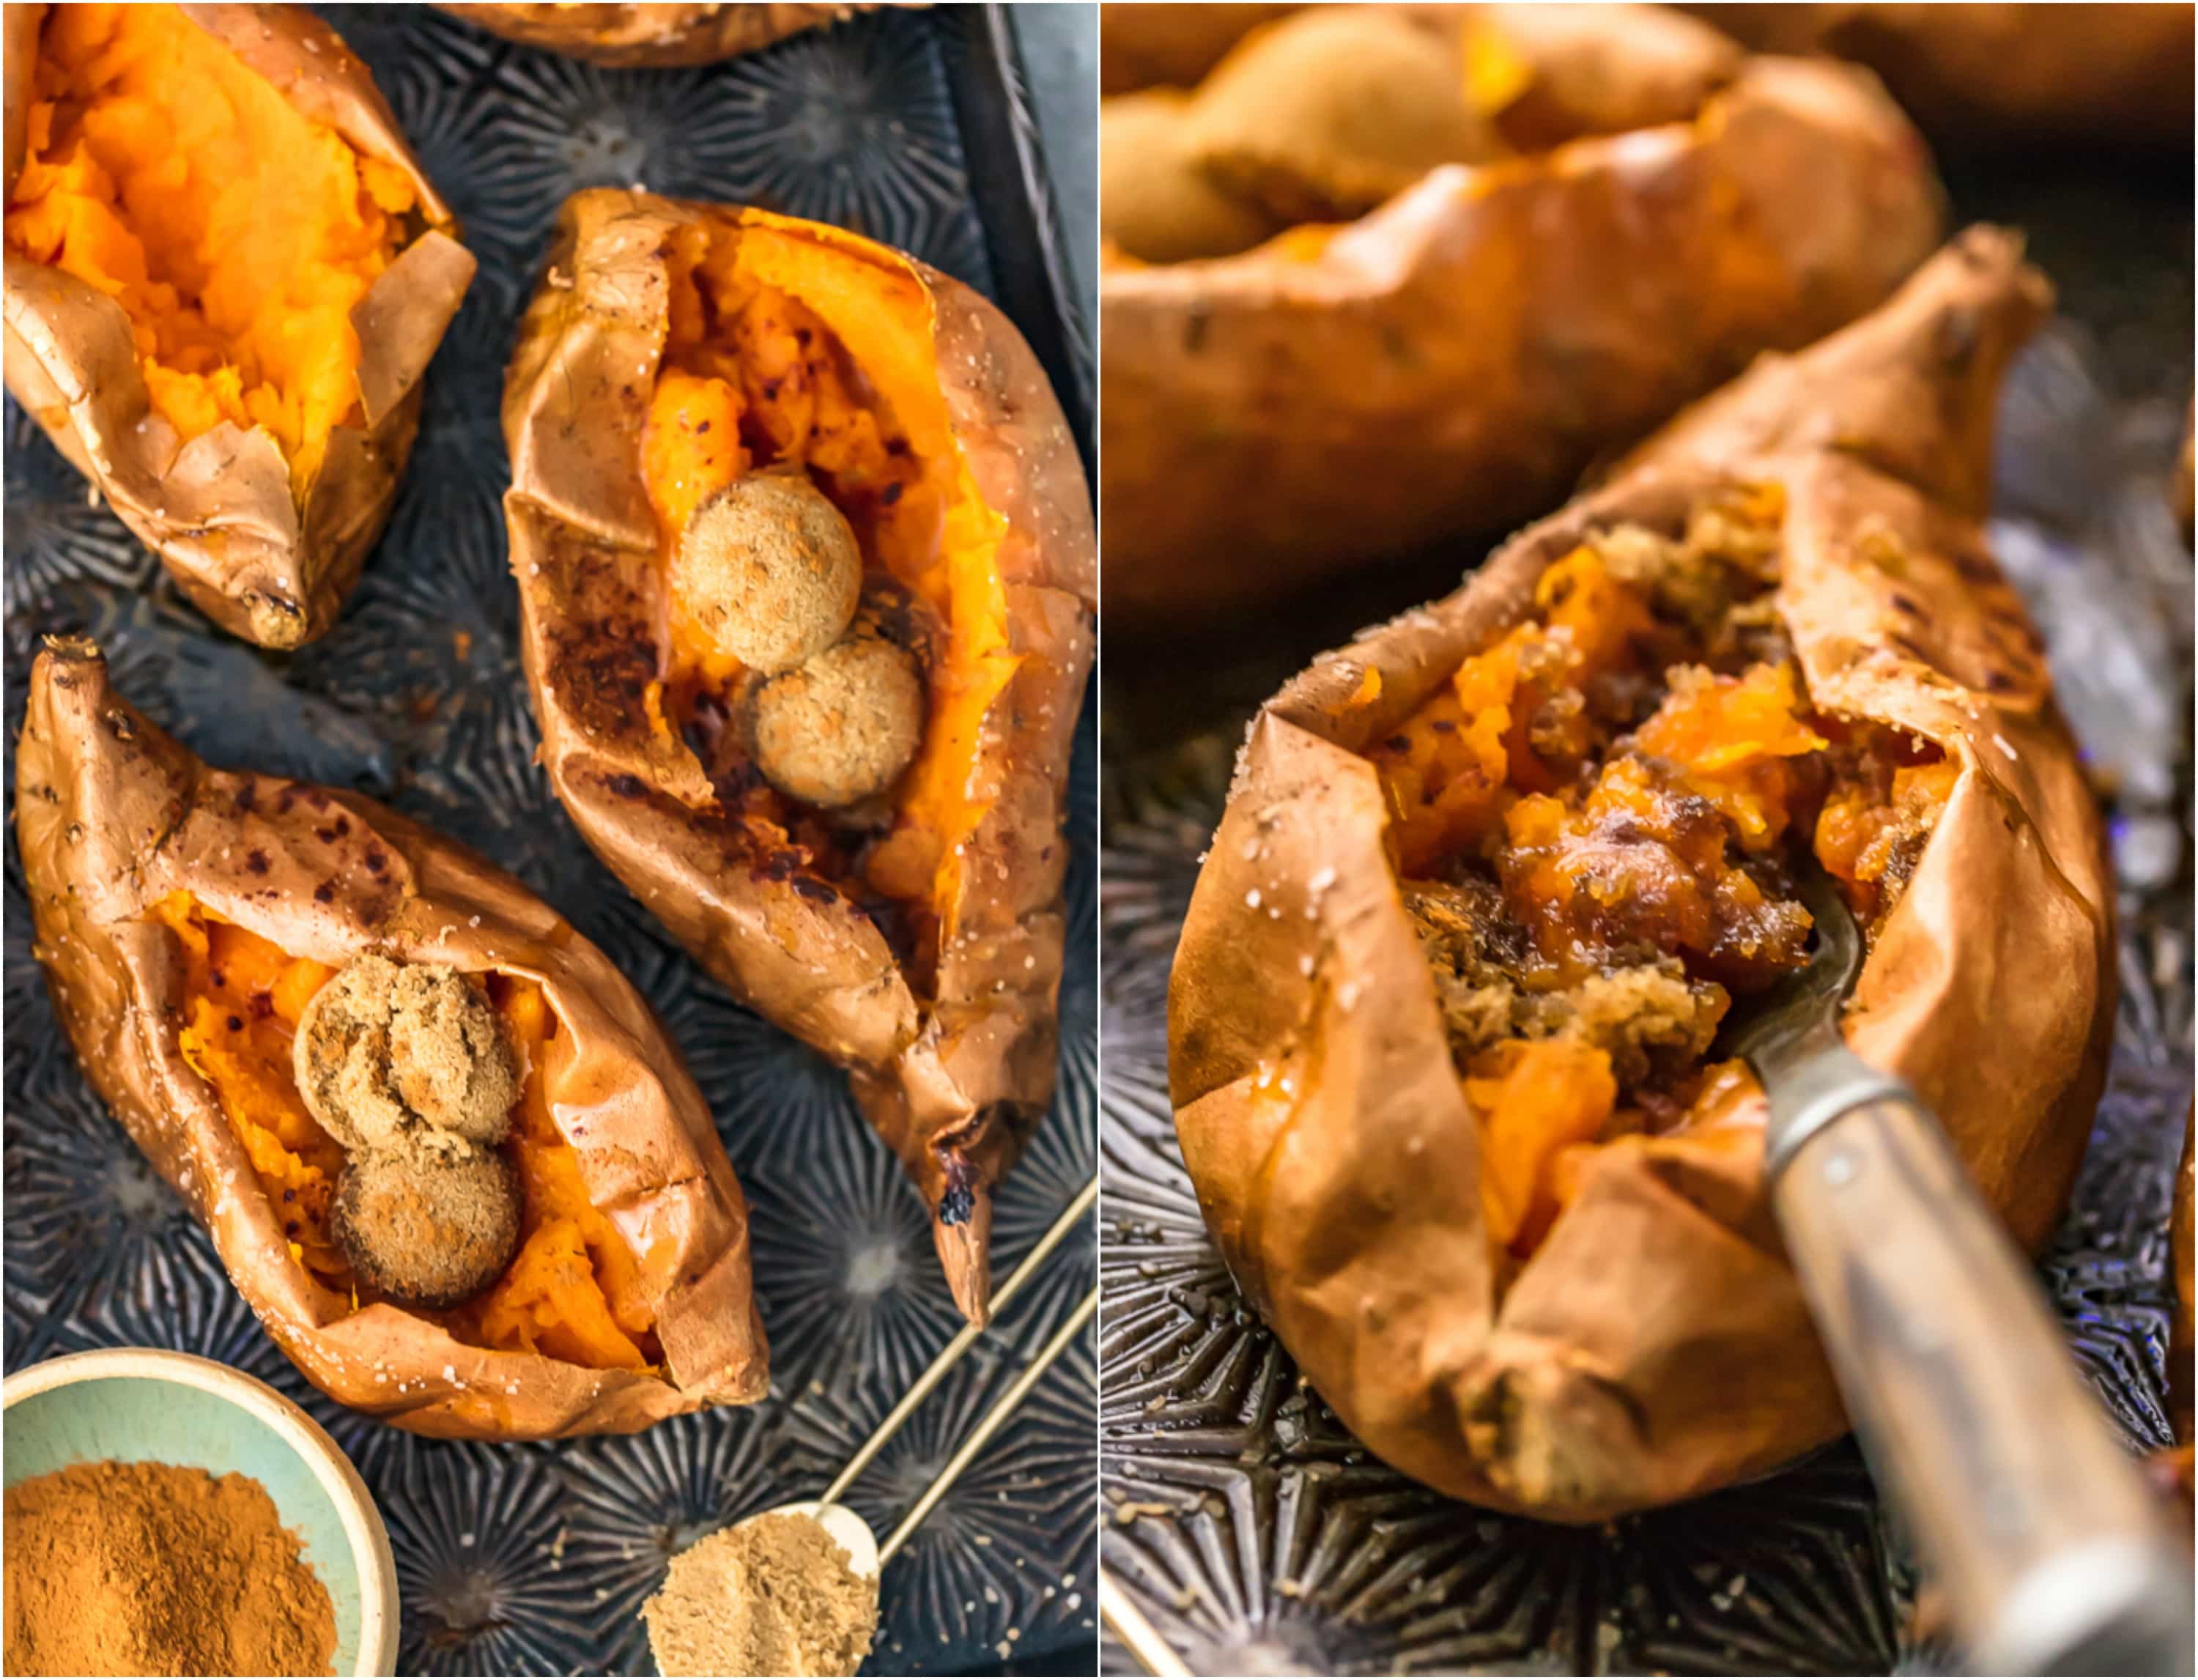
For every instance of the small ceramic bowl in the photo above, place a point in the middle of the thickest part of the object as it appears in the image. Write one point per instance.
(139, 1404)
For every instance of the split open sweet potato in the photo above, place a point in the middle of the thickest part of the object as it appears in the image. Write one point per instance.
(652, 35)
(1492, 878)
(188, 919)
(1494, 243)
(225, 277)
(678, 353)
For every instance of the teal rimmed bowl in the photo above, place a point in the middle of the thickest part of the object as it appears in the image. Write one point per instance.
(139, 1404)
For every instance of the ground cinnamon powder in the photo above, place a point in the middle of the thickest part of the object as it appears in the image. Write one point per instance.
(116, 1568)
(775, 1595)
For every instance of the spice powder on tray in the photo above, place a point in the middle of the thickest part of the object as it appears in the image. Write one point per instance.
(122, 1568)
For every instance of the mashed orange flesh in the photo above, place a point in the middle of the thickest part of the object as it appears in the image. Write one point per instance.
(784, 348)
(572, 1292)
(235, 232)
(1611, 846)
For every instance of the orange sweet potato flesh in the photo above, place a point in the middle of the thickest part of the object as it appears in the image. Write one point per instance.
(753, 376)
(1609, 851)
(572, 1292)
(235, 232)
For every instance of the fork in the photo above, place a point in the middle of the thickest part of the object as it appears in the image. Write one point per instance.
(2053, 1556)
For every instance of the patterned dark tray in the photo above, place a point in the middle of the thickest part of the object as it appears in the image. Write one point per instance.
(912, 127)
(1238, 1512)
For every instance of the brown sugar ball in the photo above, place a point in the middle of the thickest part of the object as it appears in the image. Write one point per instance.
(769, 571)
(405, 1058)
(428, 1233)
(841, 728)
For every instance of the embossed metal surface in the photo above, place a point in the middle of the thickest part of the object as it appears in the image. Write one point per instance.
(533, 1559)
(1257, 1534)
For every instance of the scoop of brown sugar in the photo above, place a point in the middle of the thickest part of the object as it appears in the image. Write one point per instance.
(427, 1233)
(775, 1595)
(844, 725)
(406, 1059)
(769, 570)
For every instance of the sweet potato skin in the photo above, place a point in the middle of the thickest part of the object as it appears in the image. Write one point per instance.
(2005, 77)
(258, 559)
(112, 816)
(953, 1081)
(1654, 1346)
(1453, 361)
(652, 35)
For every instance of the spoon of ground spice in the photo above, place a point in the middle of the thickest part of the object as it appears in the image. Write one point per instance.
(794, 1590)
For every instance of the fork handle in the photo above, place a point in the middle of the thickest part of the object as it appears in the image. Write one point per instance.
(2052, 1554)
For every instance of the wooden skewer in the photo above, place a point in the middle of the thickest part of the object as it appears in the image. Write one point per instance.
(964, 1338)
(989, 1425)
(1136, 1631)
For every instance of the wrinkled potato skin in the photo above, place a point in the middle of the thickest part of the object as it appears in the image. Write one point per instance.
(951, 1084)
(1453, 360)
(2007, 76)
(1654, 1346)
(652, 35)
(220, 511)
(113, 816)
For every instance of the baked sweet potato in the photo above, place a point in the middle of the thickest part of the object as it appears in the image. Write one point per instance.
(653, 36)
(1451, 361)
(1172, 46)
(2022, 75)
(1491, 879)
(225, 277)
(187, 918)
(677, 351)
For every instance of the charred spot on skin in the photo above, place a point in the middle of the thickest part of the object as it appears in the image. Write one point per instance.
(247, 796)
(325, 893)
(256, 861)
(956, 1207)
(627, 786)
(782, 866)
(958, 1201)
(817, 892)
(1194, 323)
